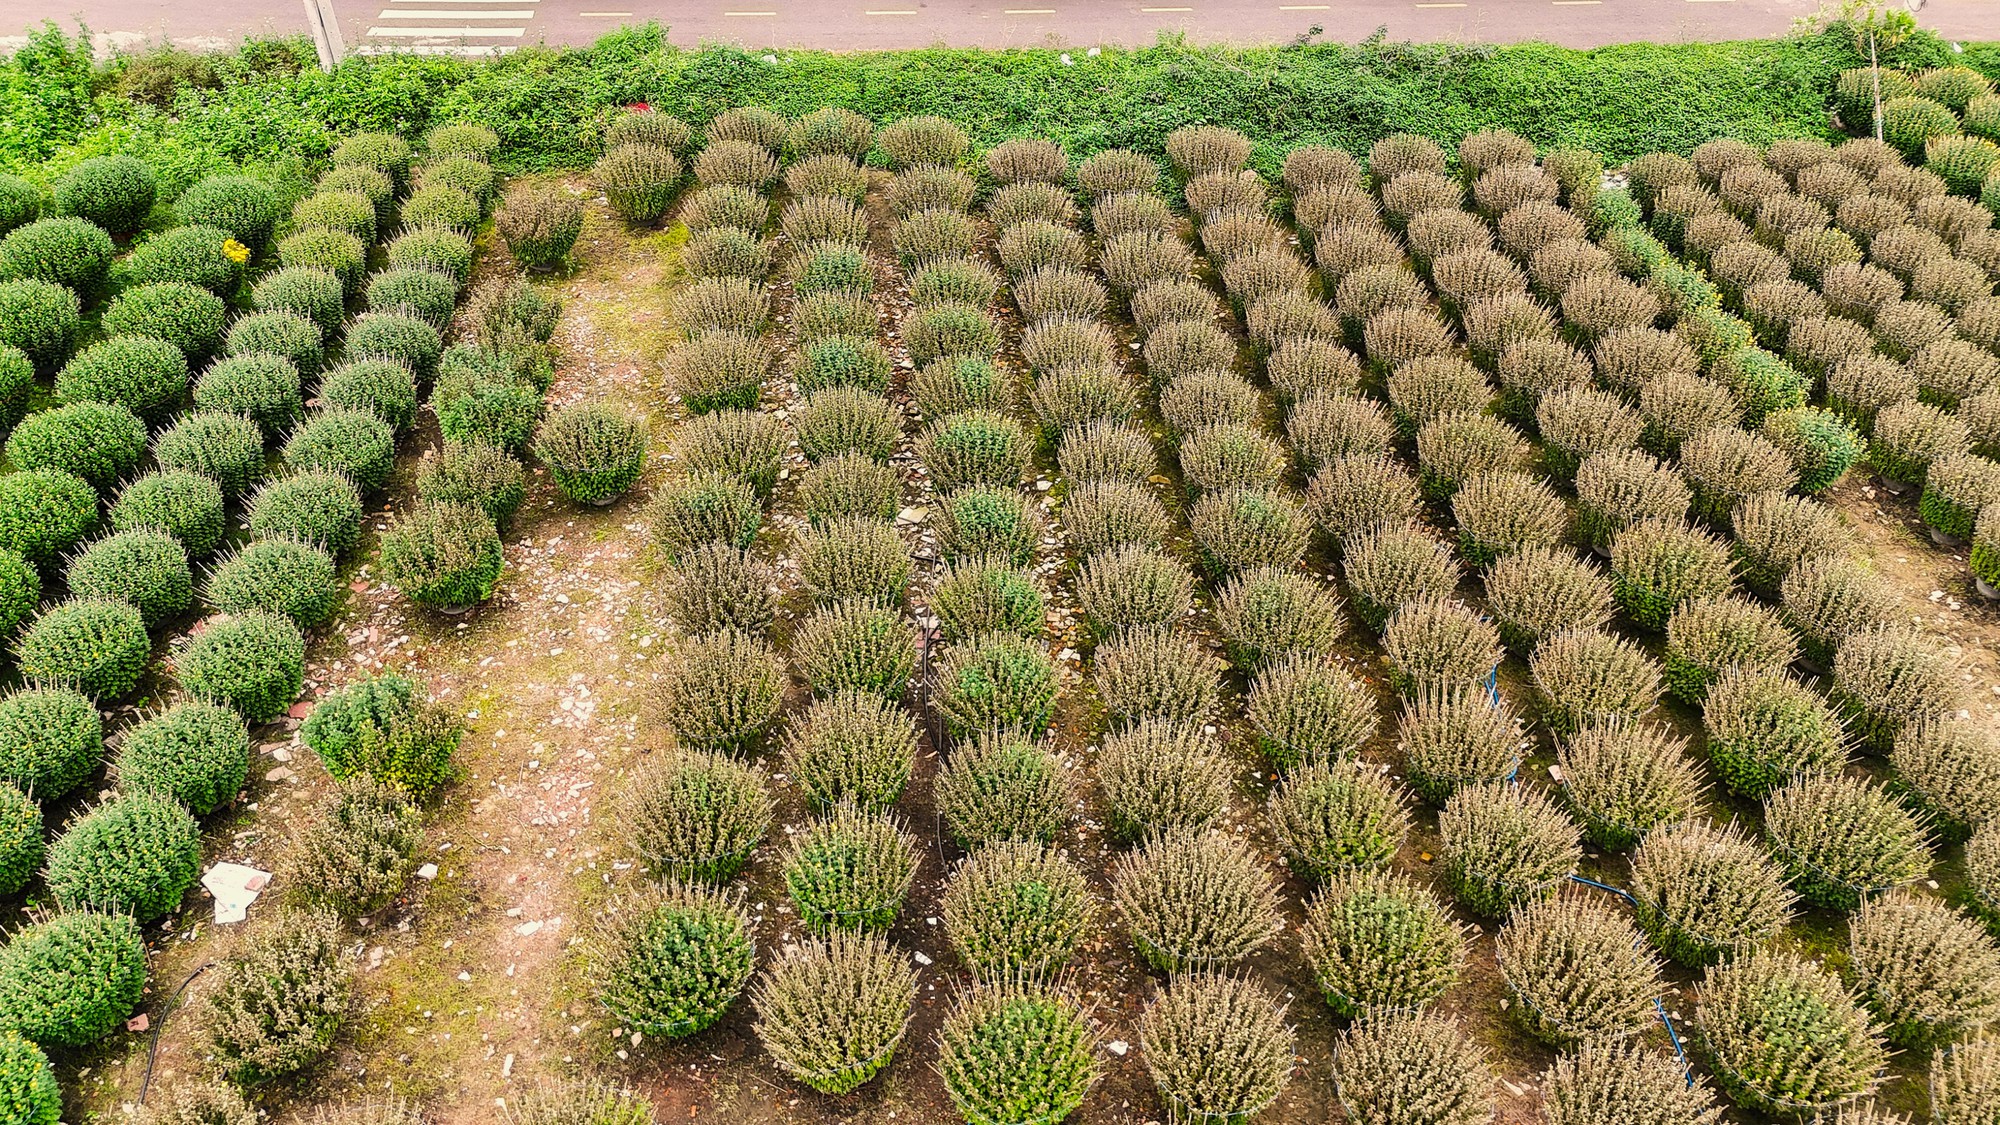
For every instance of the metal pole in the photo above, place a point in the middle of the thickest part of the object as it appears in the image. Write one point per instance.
(318, 32)
(331, 21)
(1875, 76)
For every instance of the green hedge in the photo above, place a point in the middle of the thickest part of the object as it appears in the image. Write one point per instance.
(267, 103)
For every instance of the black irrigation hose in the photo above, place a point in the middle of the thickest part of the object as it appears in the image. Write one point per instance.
(1659, 1005)
(153, 1050)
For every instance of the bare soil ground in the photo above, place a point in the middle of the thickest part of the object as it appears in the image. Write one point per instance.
(471, 986)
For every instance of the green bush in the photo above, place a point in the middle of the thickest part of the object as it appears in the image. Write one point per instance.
(147, 568)
(281, 576)
(28, 1090)
(443, 555)
(281, 334)
(226, 448)
(41, 318)
(44, 512)
(850, 870)
(247, 208)
(68, 251)
(71, 980)
(20, 201)
(993, 683)
(427, 295)
(134, 854)
(50, 740)
(433, 248)
(196, 754)
(253, 662)
(1842, 840)
(855, 647)
(1328, 818)
(115, 192)
(484, 476)
(353, 854)
(832, 1013)
(378, 727)
(336, 252)
(461, 139)
(1379, 941)
(639, 181)
(21, 848)
(477, 403)
(385, 388)
(202, 256)
(593, 452)
(20, 590)
(147, 376)
(669, 962)
(306, 291)
(384, 152)
(96, 645)
(185, 505)
(540, 226)
(99, 442)
(354, 443)
(441, 205)
(1830, 1054)
(186, 316)
(407, 340)
(1014, 1051)
(273, 1007)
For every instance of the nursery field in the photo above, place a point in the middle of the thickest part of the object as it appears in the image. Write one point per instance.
(826, 619)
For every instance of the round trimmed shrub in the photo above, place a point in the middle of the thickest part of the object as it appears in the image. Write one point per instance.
(407, 340)
(20, 201)
(1267, 615)
(67, 251)
(1948, 769)
(725, 691)
(483, 476)
(996, 682)
(1195, 900)
(1160, 775)
(1217, 1047)
(1106, 515)
(849, 485)
(444, 555)
(186, 316)
(354, 443)
(71, 980)
(99, 442)
(20, 590)
(1706, 893)
(1412, 1068)
(670, 961)
(134, 854)
(21, 849)
(50, 740)
(1887, 678)
(226, 448)
(185, 505)
(253, 662)
(384, 152)
(1001, 787)
(286, 577)
(245, 207)
(855, 646)
(383, 387)
(975, 448)
(983, 596)
(115, 192)
(1765, 729)
(1306, 710)
(1379, 942)
(1016, 908)
(852, 745)
(202, 256)
(44, 512)
(144, 374)
(1830, 1054)
(1842, 839)
(843, 361)
(1438, 643)
(433, 248)
(1503, 846)
(1928, 972)
(353, 854)
(831, 1013)
(639, 179)
(274, 1006)
(1455, 736)
(99, 646)
(28, 1089)
(718, 586)
(440, 205)
(1964, 1083)
(333, 251)
(1625, 1082)
(424, 294)
(196, 754)
(1537, 592)
(698, 817)
(1584, 678)
(850, 870)
(1389, 567)
(854, 557)
(1016, 1051)
(593, 452)
(146, 568)
(1578, 969)
(1353, 495)
(1657, 565)
(1328, 818)
(1706, 636)
(41, 319)
(284, 334)
(1623, 780)
(261, 387)
(984, 520)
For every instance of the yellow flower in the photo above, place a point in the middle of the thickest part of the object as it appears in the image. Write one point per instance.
(235, 251)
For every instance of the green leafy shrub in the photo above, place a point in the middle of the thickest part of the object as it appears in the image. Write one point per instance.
(226, 448)
(1832, 1054)
(1377, 941)
(384, 152)
(1016, 909)
(97, 645)
(334, 251)
(1503, 846)
(145, 374)
(20, 590)
(286, 577)
(1624, 780)
(1578, 969)
(197, 754)
(384, 387)
(1926, 971)
(28, 1090)
(1705, 636)
(1412, 1068)
(975, 448)
(984, 596)
(115, 192)
(444, 555)
(315, 506)
(20, 201)
(354, 851)
(374, 183)
(483, 476)
(146, 568)
(407, 340)
(348, 211)
(469, 173)
(852, 746)
(1016, 1051)
(947, 329)
(424, 294)
(1841, 839)
(50, 740)
(99, 442)
(261, 387)
(44, 512)
(184, 315)
(1765, 729)
(134, 854)
(594, 453)
(354, 443)
(831, 1013)
(274, 1006)
(696, 816)
(441, 205)
(284, 334)
(245, 207)
(71, 980)
(1195, 900)
(995, 682)
(477, 401)
(988, 521)
(67, 251)
(850, 870)
(855, 646)
(41, 319)
(725, 691)
(433, 248)
(21, 847)
(253, 662)
(379, 727)
(1331, 817)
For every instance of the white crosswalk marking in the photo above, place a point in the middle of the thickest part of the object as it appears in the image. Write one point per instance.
(426, 14)
(422, 26)
(445, 32)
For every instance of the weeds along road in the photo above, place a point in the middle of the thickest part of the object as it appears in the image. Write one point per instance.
(484, 27)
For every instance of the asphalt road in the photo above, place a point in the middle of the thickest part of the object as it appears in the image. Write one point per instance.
(486, 26)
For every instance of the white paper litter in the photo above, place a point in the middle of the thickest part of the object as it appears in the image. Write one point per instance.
(235, 887)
